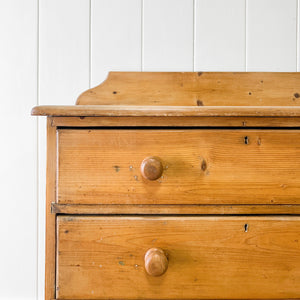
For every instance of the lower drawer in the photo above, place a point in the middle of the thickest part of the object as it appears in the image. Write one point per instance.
(241, 257)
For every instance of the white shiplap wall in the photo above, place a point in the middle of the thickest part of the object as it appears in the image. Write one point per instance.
(18, 159)
(52, 50)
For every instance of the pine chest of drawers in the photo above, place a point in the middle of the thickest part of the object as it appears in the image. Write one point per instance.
(175, 186)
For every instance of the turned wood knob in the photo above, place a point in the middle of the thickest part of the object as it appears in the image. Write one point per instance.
(156, 262)
(151, 168)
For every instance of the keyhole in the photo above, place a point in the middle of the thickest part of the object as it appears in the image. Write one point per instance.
(246, 227)
(246, 140)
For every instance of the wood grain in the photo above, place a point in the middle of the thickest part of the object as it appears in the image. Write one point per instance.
(156, 262)
(152, 168)
(245, 122)
(165, 111)
(214, 166)
(196, 89)
(94, 168)
(50, 218)
(209, 257)
(183, 209)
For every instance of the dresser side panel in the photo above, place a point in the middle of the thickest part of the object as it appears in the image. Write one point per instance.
(50, 218)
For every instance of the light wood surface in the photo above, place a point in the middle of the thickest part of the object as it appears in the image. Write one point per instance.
(165, 111)
(183, 209)
(182, 157)
(152, 168)
(214, 166)
(244, 122)
(156, 262)
(196, 89)
(208, 257)
(50, 237)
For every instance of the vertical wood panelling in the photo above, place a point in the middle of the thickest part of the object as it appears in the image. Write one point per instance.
(271, 35)
(220, 35)
(298, 36)
(18, 160)
(116, 37)
(63, 75)
(168, 35)
(64, 50)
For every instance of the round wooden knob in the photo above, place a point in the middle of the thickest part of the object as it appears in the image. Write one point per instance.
(156, 262)
(152, 168)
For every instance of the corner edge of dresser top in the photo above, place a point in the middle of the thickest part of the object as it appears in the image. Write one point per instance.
(164, 111)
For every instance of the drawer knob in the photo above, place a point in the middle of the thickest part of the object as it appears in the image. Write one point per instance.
(156, 262)
(152, 168)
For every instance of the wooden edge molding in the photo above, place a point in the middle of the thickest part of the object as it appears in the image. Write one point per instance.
(165, 111)
(191, 299)
(170, 122)
(281, 209)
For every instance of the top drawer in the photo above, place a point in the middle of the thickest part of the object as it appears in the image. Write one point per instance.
(199, 166)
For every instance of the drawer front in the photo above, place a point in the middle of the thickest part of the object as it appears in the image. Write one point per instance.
(203, 257)
(197, 166)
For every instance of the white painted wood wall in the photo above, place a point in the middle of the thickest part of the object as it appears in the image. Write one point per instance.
(52, 50)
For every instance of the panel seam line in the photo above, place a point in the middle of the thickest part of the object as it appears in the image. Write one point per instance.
(90, 43)
(142, 35)
(194, 34)
(37, 146)
(297, 36)
(246, 35)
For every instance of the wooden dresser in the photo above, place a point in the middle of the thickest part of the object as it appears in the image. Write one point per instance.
(175, 186)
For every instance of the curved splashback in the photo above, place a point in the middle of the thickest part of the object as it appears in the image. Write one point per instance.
(196, 89)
